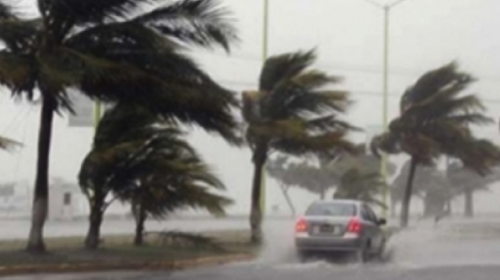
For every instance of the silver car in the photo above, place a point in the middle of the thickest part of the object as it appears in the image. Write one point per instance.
(340, 226)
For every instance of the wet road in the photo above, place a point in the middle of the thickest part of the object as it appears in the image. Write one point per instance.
(455, 250)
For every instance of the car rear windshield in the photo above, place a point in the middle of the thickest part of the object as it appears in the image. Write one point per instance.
(333, 209)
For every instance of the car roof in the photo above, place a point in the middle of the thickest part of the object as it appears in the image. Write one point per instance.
(339, 201)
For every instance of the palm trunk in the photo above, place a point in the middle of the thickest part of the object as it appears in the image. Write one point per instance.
(259, 160)
(405, 207)
(469, 204)
(139, 229)
(284, 190)
(434, 204)
(95, 221)
(41, 193)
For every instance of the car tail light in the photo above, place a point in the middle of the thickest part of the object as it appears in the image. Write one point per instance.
(354, 226)
(301, 225)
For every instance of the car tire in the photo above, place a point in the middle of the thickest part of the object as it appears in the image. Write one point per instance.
(303, 256)
(381, 249)
(363, 254)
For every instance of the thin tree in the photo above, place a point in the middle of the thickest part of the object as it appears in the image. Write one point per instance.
(294, 112)
(114, 51)
(357, 185)
(435, 120)
(278, 168)
(180, 182)
(466, 182)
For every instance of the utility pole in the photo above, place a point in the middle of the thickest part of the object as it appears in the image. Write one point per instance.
(97, 114)
(387, 8)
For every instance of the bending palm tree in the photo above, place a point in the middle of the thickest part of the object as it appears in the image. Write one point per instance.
(180, 181)
(292, 113)
(142, 159)
(157, 173)
(435, 120)
(113, 51)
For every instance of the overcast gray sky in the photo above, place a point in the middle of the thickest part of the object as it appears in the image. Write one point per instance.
(348, 36)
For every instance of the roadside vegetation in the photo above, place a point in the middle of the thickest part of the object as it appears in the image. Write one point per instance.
(295, 125)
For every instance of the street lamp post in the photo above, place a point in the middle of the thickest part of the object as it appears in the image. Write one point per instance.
(97, 113)
(387, 8)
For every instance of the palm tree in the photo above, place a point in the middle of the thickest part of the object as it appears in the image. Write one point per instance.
(355, 184)
(292, 112)
(429, 184)
(114, 51)
(435, 120)
(181, 180)
(466, 182)
(142, 159)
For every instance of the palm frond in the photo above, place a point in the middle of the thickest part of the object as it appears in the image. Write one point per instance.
(61, 16)
(19, 34)
(8, 144)
(16, 72)
(431, 84)
(195, 99)
(314, 79)
(251, 106)
(361, 186)
(479, 155)
(202, 22)
(468, 119)
(330, 122)
(284, 67)
(306, 144)
(386, 142)
(289, 100)
(143, 159)
(6, 10)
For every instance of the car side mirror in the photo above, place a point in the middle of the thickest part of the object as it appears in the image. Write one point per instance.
(382, 222)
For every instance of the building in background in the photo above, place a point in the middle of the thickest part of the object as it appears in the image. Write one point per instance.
(66, 200)
(370, 132)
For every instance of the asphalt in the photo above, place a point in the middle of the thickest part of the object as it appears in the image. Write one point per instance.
(452, 250)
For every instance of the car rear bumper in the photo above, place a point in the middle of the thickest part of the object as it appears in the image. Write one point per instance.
(327, 244)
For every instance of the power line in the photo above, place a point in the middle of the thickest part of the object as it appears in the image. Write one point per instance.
(354, 92)
(23, 141)
(413, 73)
(16, 120)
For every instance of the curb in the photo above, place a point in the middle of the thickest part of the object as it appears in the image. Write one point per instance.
(121, 266)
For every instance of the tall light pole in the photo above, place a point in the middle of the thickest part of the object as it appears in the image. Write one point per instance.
(387, 8)
(97, 114)
(265, 50)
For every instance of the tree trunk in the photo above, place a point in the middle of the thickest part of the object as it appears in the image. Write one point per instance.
(434, 204)
(405, 207)
(259, 160)
(95, 221)
(469, 203)
(284, 190)
(139, 229)
(41, 193)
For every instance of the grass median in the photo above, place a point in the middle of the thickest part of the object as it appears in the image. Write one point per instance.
(117, 252)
